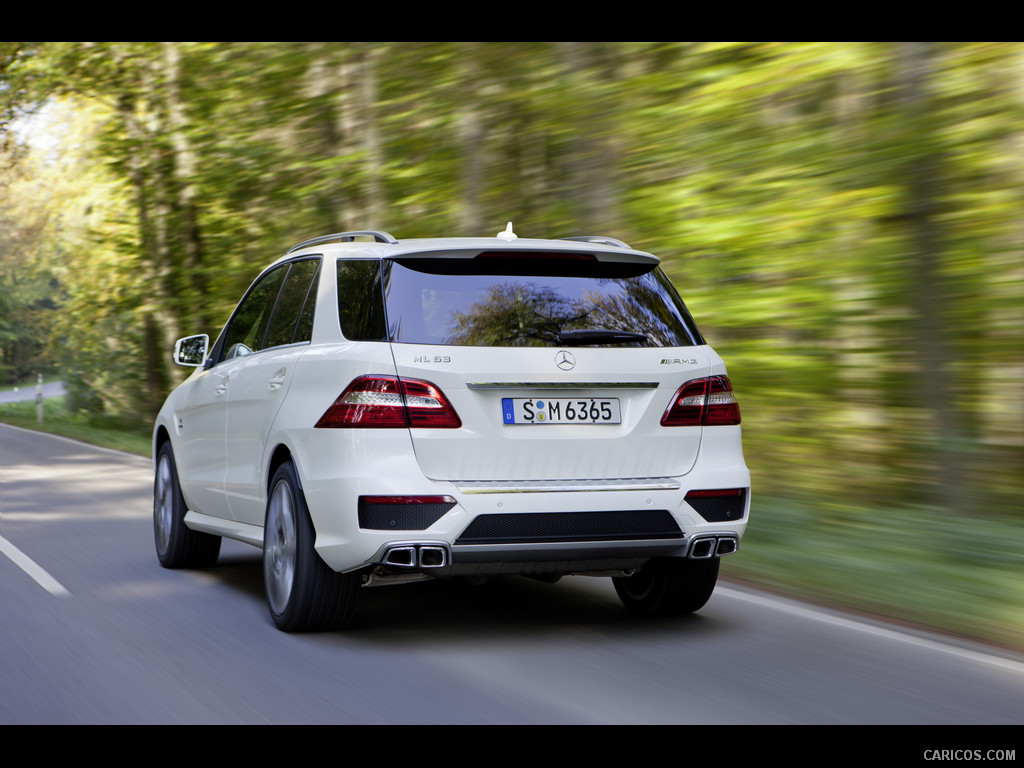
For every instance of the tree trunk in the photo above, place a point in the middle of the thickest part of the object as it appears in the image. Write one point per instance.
(184, 171)
(928, 295)
(593, 161)
(471, 140)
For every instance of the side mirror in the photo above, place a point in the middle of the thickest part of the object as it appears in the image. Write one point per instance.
(191, 350)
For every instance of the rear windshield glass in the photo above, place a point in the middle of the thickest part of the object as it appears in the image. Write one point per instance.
(501, 302)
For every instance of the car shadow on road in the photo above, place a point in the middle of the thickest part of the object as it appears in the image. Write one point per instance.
(500, 607)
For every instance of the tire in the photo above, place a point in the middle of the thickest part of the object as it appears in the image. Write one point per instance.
(176, 545)
(668, 586)
(303, 593)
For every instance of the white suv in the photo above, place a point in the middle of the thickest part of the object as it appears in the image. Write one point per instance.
(378, 410)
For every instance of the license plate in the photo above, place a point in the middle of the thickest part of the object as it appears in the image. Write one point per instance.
(560, 410)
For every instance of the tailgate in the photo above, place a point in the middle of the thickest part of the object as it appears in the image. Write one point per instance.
(554, 414)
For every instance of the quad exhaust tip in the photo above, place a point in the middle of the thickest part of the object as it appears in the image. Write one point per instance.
(706, 547)
(416, 556)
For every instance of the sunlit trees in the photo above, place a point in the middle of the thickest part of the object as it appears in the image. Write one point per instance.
(842, 219)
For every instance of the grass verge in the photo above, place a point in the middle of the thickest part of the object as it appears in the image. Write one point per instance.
(915, 565)
(98, 430)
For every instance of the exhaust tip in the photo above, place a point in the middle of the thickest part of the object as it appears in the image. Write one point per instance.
(400, 557)
(705, 547)
(432, 557)
(416, 556)
(727, 546)
(702, 549)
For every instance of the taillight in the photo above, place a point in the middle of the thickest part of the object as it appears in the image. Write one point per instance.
(703, 402)
(388, 401)
(427, 406)
(722, 406)
(369, 401)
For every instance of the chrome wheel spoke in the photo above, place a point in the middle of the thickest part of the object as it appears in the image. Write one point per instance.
(164, 503)
(280, 544)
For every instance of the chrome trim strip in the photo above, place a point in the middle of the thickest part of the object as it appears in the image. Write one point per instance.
(562, 385)
(566, 486)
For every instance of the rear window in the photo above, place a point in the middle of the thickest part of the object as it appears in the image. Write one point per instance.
(496, 301)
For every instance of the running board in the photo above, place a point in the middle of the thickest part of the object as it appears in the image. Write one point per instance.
(230, 529)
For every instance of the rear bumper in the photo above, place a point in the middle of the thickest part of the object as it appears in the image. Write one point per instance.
(555, 532)
(569, 526)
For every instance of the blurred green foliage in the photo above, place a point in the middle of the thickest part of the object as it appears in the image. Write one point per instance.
(842, 219)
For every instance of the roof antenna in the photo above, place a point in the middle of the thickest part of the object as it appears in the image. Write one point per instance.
(508, 234)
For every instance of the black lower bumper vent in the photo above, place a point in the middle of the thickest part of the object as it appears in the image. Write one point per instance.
(398, 514)
(726, 506)
(524, 528)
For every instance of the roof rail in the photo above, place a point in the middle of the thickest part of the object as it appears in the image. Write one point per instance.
(599, 239)
(345, 237)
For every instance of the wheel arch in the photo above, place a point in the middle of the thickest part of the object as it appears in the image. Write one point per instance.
(280, 455)
(160, 437)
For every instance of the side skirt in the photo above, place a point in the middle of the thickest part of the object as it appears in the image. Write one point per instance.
(230, 529)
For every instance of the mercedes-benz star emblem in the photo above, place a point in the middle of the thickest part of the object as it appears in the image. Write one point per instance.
(565, 361)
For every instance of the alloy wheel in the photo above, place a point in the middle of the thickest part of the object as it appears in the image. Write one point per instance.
(280, 544)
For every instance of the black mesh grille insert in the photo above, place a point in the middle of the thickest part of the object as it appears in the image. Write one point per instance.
(719, 509)
(570, 526)
(384, 516)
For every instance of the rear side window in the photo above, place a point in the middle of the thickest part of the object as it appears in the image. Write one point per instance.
(506, 302)
(361, 300)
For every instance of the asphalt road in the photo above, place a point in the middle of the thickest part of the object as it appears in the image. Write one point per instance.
(50, 389)
(93, 630)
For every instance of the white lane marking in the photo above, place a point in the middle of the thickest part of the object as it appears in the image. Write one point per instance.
(864, 626)
(23, 561)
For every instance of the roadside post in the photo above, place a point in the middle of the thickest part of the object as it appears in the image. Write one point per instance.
(39, 399)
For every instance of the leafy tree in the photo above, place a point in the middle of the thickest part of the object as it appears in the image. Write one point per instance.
(843, 220)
